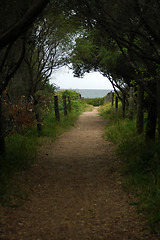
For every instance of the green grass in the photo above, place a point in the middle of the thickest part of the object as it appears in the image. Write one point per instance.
(53, 128)
(140, 164)
(21, 150)
(94, 101)
(20, 155)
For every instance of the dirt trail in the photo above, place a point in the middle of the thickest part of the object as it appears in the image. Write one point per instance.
(77, 193)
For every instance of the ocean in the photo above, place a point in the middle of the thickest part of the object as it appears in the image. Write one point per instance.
(92, 93)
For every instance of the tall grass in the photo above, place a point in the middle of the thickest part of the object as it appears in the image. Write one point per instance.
(140, 165)
(20, 155)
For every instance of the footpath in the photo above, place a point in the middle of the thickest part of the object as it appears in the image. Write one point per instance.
(76, 192)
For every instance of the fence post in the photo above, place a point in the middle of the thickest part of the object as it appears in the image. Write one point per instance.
(64, 105)
(56, 108)
(69, 102)
(116, 103)
(112, 98)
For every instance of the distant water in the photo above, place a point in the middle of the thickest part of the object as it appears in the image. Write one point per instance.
(93, 93)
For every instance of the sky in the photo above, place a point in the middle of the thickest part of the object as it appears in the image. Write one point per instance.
(64, 78)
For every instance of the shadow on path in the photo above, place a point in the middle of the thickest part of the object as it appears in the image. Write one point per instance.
(77, 193)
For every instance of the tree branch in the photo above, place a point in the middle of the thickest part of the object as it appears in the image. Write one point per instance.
(23, 24)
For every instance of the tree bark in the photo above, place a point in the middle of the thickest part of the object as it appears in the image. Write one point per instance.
(140, 114)
(116, 103)
(2, 138)
(112, 99)
(13, 70)
(39, 125)
(56, 108)
(152, 120)
(158, 105)
(131, 103)
(38, 117)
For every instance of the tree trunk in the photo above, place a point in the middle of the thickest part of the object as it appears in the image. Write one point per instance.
(2, 139)
(131, 103)
(56, 108)
(158, 105)
(152, 119)
(140, 115)
(37, 116)
(112, 99)
(116, 103)
(39, 125)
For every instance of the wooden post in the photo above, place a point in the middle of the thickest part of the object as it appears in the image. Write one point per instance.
(56, 108)
(123, 105)
(116, 103)
(69, 102)
(112, 98)
(64, 105)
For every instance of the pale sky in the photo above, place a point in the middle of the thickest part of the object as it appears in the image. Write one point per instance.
(63, 77)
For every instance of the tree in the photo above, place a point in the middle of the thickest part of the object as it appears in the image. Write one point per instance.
(133, 26)
(96, 52)
(47, 48)
(15, 20)
(22, 23)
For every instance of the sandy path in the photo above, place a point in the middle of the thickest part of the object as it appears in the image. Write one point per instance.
(77, 193)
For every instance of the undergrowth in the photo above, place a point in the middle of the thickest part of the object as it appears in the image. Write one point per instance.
(140, 164)
(21, 150)
(94, 101)
(20, 155)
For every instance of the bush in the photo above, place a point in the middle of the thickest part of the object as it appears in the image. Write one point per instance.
(94, 101)
(68, 93)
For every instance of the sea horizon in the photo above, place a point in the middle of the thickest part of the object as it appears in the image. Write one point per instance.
(91, 92)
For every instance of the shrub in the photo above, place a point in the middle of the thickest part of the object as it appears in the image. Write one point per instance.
(140, 165)
(94, 101)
